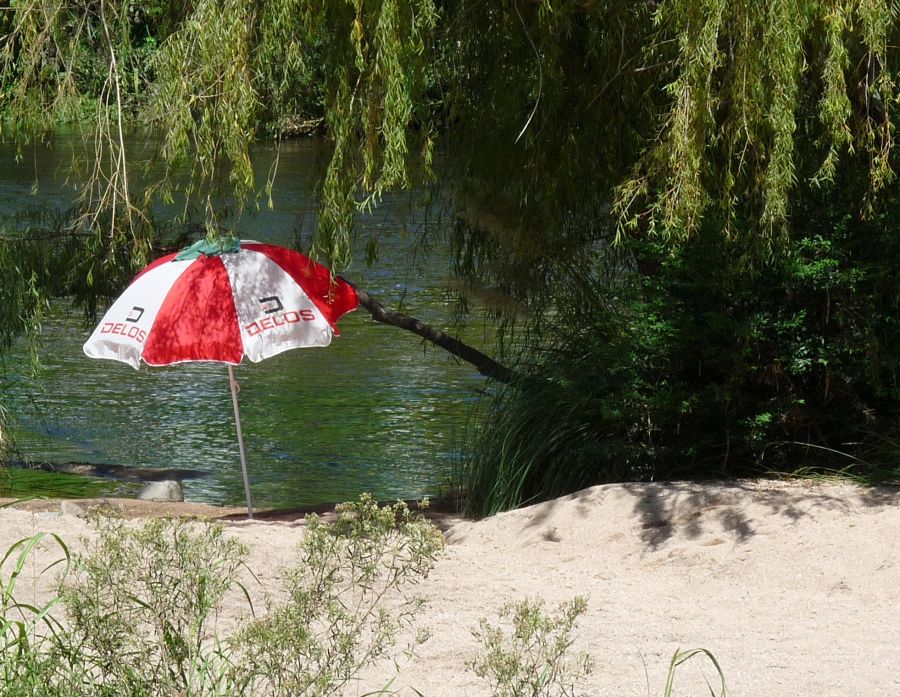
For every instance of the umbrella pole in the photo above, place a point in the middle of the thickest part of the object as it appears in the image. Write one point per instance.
(240, 435)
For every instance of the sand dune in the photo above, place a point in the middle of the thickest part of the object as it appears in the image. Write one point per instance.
(794, 586)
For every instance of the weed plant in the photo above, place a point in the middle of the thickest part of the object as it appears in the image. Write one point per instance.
(27, 661)
(348, 600)
(534, 659)
(680, 657)
(139, 607)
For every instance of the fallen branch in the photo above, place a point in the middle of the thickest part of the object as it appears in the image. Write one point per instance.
(486, 365)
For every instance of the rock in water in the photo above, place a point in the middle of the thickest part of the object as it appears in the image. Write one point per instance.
(162, 491)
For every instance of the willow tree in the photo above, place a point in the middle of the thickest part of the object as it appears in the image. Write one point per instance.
(693, 203)
(221, 70)
(610, 153)
(651, 119)
(669, 111)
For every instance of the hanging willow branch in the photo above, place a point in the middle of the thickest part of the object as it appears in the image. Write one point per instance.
(230, 61)
(728, 133)
(43, 72)
(221, 67)
(724, 86)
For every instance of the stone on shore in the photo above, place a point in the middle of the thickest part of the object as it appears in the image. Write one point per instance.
(71, 508)
(167, 490)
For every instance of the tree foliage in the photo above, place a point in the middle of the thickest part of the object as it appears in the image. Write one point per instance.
(711, 93)
(672, 114)
(747, 77)
(222, 69)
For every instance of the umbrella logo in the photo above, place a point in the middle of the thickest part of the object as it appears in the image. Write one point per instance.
(122, 329)
(272, 306)
(271, 309)
(284, 319)
(132, 317)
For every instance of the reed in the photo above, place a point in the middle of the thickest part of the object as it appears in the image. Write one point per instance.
(28, 632)
(561, 427)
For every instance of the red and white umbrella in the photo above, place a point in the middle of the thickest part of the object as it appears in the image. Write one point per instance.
(220, 301)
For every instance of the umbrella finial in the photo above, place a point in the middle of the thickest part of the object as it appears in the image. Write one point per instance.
(210, 248)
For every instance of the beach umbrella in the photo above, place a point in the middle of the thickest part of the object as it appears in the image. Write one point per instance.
(220, 301)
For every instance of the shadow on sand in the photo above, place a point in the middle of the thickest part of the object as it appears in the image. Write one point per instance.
(693, 509)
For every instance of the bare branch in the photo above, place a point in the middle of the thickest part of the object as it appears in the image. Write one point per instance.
(486, 365)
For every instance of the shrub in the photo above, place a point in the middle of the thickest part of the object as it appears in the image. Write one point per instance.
(697, 364)
(141, 607)
(533, 659)
(347, 601)
(142, 602)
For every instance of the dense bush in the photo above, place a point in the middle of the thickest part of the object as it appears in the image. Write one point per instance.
(700, 363)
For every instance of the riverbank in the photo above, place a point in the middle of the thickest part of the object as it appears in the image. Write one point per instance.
(793, 586)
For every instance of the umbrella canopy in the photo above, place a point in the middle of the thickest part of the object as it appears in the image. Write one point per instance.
(220, 301)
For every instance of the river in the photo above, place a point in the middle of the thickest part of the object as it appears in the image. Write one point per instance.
(377, 411)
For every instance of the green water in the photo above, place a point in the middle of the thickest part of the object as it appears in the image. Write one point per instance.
(376, 411)
(22, 483)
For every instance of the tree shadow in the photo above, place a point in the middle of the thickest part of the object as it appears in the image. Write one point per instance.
(693, 509)
(881, 495)
(662, 511)
(705, 511)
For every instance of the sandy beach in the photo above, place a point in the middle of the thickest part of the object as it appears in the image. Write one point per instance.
(794, 586)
